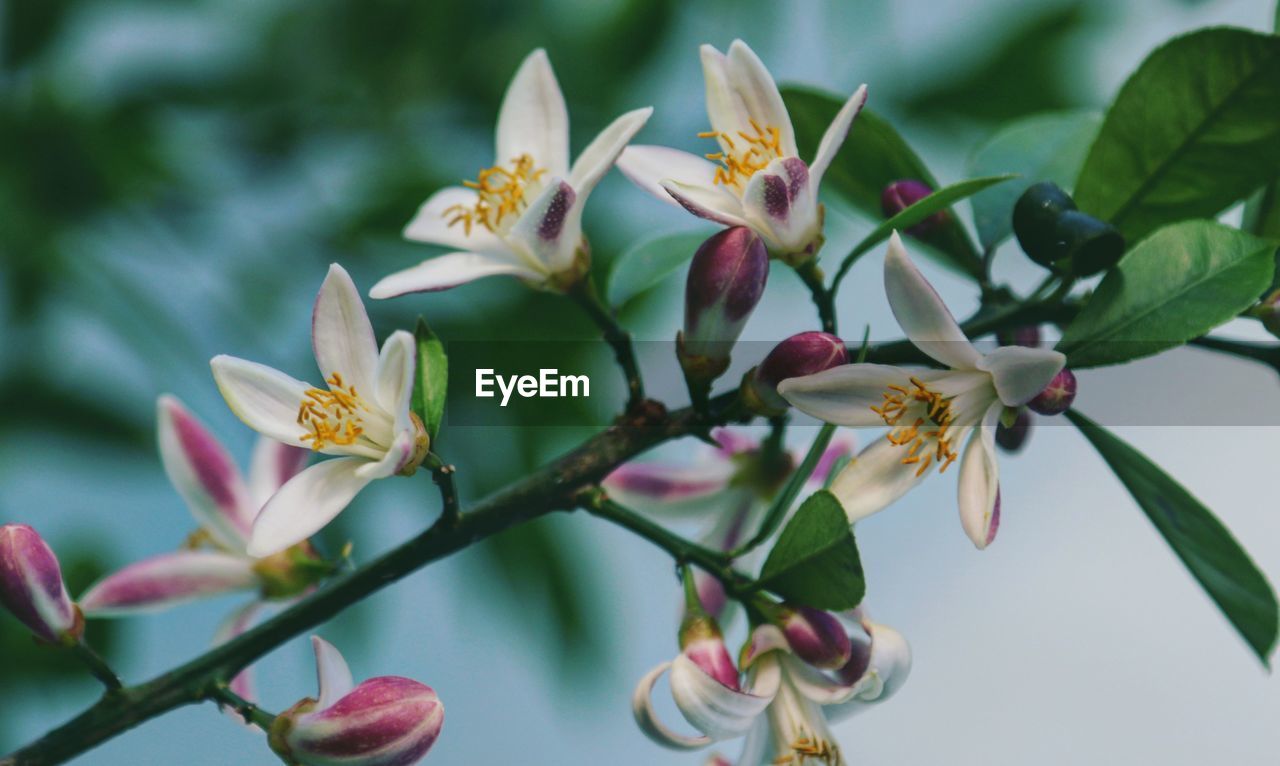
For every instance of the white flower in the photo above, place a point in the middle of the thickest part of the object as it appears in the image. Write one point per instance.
(362, 414)
(756, 178)
(523, 216)
(930, 413)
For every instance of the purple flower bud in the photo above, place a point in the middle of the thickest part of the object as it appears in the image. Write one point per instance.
(726, 279)
(1056, 397)
(816, 637)
(1013, 438)
(1027, 335)
(902, 194)
(31, 586)
(703, 644)
(803, 354)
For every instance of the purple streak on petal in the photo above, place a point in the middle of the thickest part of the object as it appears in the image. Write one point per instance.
(290, 460)
(31, 583)
(777, 200)
(833, 454)
(658, 482)
(798, 176)
(817, 637)
(732, 442)
(713, 658)
(994, 525)
(166, 579)
(210, 462)
(557, 211)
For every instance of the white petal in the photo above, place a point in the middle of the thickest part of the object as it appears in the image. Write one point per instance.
(431, 223)
(980, 481)
(779, 202)
(874, 479)
(332, 673)
(831, 141)
(725, 108)
(817, 686)
(758, 748)
(601, 153)
(714, 203)
(671, 490)
(202, 471)
(341, 334)
(533, 119)
(648, 166)
(396, 458)
(887, 670)
(921, 313)
(1019, 373)
(272, 464)
(305, 504)
(265, 399)
(711, 707)
(549, 231)
(844, 395)
(758, 91)
(167, 580)
(396, 365)
(446, 271)
(647, 718)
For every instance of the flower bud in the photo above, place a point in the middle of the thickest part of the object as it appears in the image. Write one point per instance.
(726, 279)
(904, 193)
(702, 643)
(816, 637)
(1035, 221)
(1088, 244)
(1056, 397)
(1268, 312)
(1026, 335)
(1013, 437)
(31, 586)
(803, 354)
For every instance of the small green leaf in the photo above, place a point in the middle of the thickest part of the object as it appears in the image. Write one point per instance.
(1194, 130)
(872, 157)
(431, 380)
(642, 266)
(815, 561)
(1175, 285)
(922, 209)
(1043, 147)
(1203, 544)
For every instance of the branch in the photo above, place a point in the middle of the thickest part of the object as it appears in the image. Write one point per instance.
(823, 299)
(584, 292)
(97, 666)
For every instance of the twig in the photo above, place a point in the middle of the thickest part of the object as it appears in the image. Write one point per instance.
(250, 712)
(823, 299)
(585, 294)
(97, 666)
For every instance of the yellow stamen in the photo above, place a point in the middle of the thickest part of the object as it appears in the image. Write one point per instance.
(501, 194)
(738, 165)
(331, 417)
(926, 437)
(808, 750)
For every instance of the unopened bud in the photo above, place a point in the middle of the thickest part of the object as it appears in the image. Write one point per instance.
(1035, 221)
(31, 586)
(803, 354)
(1268, 312)
(1056, 398)
(1026, 335)
(816, 637)
(1013, 437)
(702, 643)
(1089, 245)
(726, 279)
(902, 194)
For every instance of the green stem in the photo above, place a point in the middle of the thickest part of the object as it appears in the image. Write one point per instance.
(248, 711)
(782, 503)
(97, 666)
(584, 292)
(823, 299)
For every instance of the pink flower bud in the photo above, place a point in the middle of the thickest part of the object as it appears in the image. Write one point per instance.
(31, 586)
(816, 637)
(1056, 398)
(703, 644)
(900, 195)
(1014, 437)
(726, 279)
(803, 354)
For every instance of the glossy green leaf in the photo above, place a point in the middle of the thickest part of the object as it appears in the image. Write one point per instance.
(1194, 130)
(431, 379)
(815, 561)
(642, 266)
(1203, 544)
(1175, 285)
(872, 157)
(1043, 147)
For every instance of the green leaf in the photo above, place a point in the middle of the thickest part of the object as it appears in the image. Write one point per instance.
(431, 380)
(1044, 147)
(922, 209)
(1194, 130)
(1203, 544)
(872, 157)
(815, 561)
(642, 266)
(1175, 285)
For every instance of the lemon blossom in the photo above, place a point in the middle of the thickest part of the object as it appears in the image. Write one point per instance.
(522, 217)
(755, 178)
(935, 417)
(361, 413)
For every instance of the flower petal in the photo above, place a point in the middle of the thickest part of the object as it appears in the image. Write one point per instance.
(874, 479)
(711, 707)
(264, 398)
(549, 231)
(396, 366)
(271, 465)
(725, 108)
(446, 271)
(779, 202)
(844, 395)
(432, 224)
(202, 471)
(166, 580)
(759, 93)
(396, 458)
(887, 670)
(980, 481)
(332, 674)
(305, 504)
(648, 166)
(647, 718)
(831, 141)
(713, 203)
(921, 313)
(601, 153)
(667, 489)
(533, 119)
(817, 686)
(1019, 373)
(341, 334)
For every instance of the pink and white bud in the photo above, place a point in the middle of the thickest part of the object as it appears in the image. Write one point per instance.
(1056, 398)
(802, 354)
(815, 636)
(726, 280)
(902, 194)
(702, 644)
(385, 721)
(31, 586)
